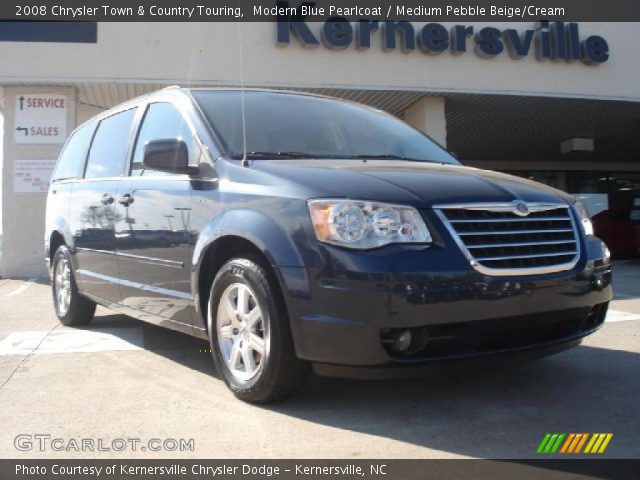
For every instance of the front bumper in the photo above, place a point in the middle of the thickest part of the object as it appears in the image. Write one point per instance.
(392, 371)
(342, 314)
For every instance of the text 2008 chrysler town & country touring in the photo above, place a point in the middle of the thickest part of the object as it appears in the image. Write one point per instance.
(294, 230)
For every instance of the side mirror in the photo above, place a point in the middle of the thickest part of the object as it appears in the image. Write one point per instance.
(167, 155)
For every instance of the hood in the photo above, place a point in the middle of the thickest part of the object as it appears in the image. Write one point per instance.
(420, 184)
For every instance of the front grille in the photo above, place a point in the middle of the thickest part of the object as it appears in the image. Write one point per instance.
(499, 241)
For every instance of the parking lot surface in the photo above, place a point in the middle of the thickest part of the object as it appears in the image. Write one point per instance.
(120, 378)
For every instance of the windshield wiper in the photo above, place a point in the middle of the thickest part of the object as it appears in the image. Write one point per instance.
(257, 155)
(382, 157)
(273, 155)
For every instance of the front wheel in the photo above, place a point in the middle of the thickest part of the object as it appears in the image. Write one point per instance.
(249, 334)
(71, 307)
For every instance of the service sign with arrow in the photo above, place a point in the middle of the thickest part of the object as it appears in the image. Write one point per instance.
(40, 118)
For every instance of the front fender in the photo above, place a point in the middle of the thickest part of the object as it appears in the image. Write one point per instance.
(261, 230)
(269, 236)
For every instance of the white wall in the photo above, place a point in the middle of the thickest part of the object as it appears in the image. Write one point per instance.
(1, 166)
(210, 53)
(428, 115)
(22, 249)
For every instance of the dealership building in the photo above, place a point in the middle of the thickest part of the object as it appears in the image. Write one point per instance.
(558, 103)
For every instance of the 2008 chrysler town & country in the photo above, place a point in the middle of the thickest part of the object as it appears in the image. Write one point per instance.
(293, 230)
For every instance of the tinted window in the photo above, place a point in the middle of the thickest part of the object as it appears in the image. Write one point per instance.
(162, 120)
(109, 147)
(72, 158)
(314, 127)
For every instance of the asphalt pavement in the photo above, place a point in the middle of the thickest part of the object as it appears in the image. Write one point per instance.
(120, 380)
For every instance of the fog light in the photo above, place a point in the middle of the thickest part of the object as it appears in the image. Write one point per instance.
(402, 341)
(598, 281)
(405, 341)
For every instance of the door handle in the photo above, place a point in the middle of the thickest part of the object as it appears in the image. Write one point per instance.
(106, 199)
(126, 199)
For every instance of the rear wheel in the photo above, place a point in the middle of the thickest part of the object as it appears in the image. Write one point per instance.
(249, 334)
(71, 307)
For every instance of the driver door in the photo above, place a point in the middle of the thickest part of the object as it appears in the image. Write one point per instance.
(153, 235)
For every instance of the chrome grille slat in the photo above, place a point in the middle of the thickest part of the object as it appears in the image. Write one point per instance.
(521, 244)
(500, 239)
(510, 220)
(515, 232)
(502, 207)
(512, 257)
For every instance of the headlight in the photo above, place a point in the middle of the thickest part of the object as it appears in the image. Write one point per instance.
(583, 216)
(360, 224)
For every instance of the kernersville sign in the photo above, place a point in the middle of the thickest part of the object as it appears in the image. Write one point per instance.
(548, 40)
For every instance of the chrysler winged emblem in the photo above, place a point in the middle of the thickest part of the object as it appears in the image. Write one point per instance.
(520, 208)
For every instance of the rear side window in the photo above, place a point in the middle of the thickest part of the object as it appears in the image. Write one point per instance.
(109, 147)
(72, 158)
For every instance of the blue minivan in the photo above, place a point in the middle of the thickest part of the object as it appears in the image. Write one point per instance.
(299, 232)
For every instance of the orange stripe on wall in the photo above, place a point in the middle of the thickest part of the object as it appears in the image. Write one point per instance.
(575, 442)
(567, 442)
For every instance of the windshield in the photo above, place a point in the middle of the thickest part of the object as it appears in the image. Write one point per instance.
(285, 125)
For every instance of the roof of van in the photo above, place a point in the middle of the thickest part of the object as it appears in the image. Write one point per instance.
(248, 89)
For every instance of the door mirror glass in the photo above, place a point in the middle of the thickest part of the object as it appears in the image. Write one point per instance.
(166, 155)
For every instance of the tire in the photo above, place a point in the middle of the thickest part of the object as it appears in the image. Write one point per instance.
(72, 308)
(253, 352)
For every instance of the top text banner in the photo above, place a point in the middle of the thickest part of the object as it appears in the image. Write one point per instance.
(321, 10)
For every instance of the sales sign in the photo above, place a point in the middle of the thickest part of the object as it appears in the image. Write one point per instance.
(40, 118)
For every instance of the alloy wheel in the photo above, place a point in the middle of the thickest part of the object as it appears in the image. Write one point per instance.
(62, 286)
(242, 331)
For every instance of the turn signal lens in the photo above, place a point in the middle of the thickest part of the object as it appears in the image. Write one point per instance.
(320, 219)
(361, 224)
(583, 216)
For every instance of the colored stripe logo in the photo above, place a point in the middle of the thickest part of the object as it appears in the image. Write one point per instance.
(574, 443)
